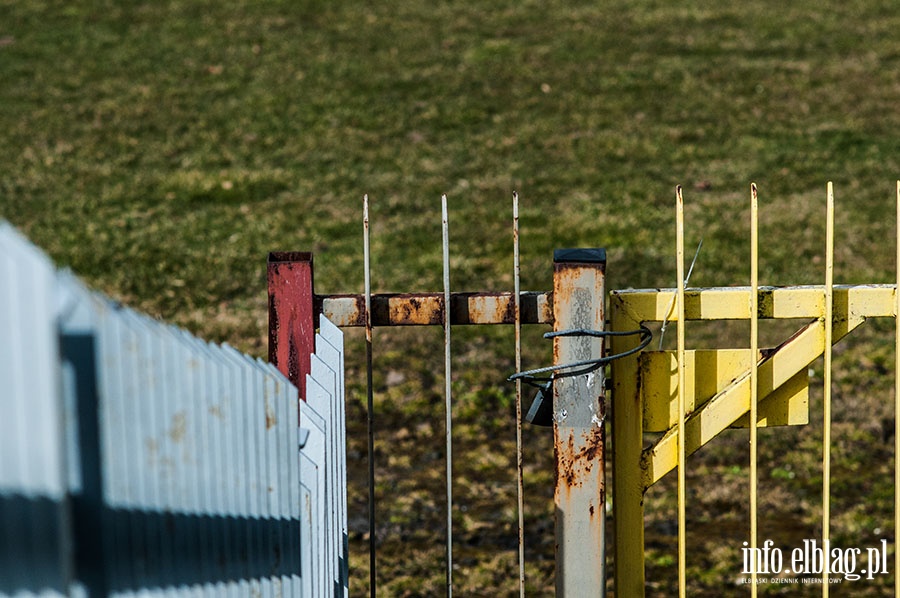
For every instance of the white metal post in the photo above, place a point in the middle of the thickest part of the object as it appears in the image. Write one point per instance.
(579, 413)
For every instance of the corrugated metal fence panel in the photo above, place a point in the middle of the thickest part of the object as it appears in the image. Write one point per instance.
(322, 402)
(312, 479)
(32, 468)
(177, 458)
(323, 415)
(330, 348)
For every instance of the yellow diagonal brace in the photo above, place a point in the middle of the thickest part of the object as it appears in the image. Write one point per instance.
(790, 359)
(788, 405)
(709, 372)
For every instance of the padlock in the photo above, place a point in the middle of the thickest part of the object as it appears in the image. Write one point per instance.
(541, 411)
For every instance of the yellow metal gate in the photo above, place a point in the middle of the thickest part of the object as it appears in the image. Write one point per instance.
(703, 392)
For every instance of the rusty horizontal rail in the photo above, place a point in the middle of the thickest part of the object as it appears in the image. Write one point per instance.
(422, 309)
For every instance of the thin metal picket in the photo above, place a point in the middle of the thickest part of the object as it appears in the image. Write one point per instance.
(754, 377)
(826, 384)
(897, 394)
(448, 392)
(682, 532)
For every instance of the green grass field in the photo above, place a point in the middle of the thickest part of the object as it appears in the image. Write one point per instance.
(161, 149)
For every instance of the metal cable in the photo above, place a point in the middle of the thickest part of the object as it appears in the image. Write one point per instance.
(583, 367)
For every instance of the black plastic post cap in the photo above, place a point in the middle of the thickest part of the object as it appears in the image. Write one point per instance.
(595, 255)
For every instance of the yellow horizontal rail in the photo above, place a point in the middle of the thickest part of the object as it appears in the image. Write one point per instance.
(733, 303)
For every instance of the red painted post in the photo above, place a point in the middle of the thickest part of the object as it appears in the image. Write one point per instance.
(292, 328)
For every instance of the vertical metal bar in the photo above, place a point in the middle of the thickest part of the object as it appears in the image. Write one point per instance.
(627, 430)
(754, 373)
(826, 440)
(578, 425)
(897, 407)
(679, 251)
(292, 325)
(445, 229)
(520, 483)
(370, 398)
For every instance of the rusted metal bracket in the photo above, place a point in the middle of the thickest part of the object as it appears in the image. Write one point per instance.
(423, 309)
(293, 307)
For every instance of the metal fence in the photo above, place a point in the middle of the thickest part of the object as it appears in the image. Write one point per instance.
(664, 405)
(686, 397)
(138, 459)
(575, 308)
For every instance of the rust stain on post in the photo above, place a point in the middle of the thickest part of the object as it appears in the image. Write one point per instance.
(575, 463)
